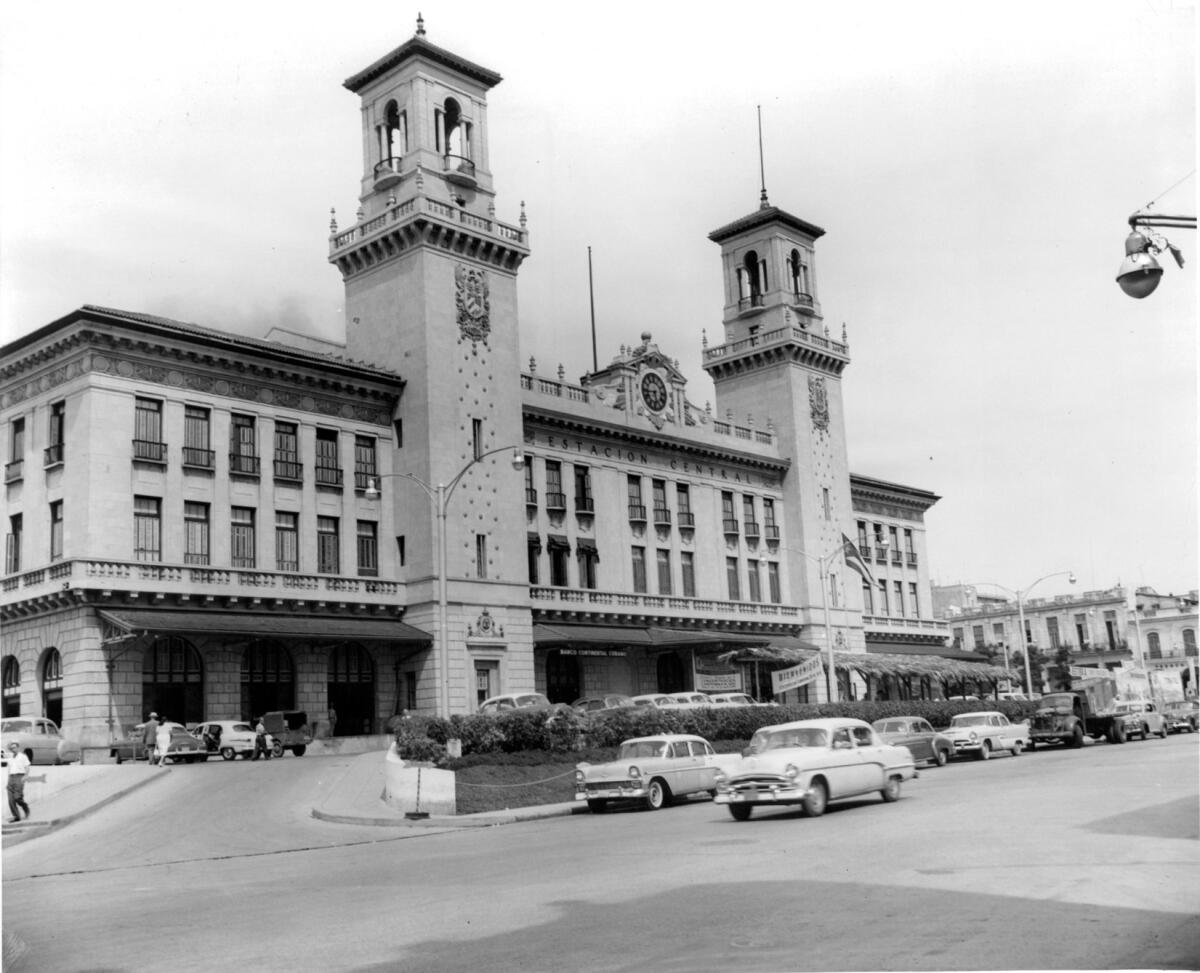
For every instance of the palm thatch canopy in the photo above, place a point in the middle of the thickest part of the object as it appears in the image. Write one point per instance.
(872, 665)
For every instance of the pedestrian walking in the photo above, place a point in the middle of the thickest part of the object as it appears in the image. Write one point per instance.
(150, 735)
(260, 741)
(332, 721)
(162, 742)
(18, 767)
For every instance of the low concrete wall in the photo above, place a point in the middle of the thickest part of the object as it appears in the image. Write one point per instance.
(417, 789)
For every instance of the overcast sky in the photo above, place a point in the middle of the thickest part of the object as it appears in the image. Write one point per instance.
(972, 164)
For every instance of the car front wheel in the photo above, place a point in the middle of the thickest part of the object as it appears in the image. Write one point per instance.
(741, 812)
(941, 757)
(1163, 732)
(891, 790)
(277, 750)
(657, 795)
(1017, 747)
(985, 751)
(815, 800)
(228, 753)
(597, 805)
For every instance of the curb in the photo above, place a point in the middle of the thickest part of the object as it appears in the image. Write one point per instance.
(52, 824)
(446, 822)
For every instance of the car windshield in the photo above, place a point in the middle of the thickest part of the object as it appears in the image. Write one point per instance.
(640, 749)
(970, 720)
(783, 739)
(1058, 702)
(533, 699)
(15, 726)
(892, 726)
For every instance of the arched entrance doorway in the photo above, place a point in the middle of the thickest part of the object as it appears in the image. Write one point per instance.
(670, 673)
(173, 681)
(52, 687)
(562, 677)
(351, 688)
(12, 686)
(268, 679)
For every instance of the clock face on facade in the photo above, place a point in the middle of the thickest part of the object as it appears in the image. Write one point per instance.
(654, 392)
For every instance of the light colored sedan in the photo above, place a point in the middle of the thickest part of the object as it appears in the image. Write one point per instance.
(652, 770)
(226, 737)
(986, 732)
(813, 762)
(39, 739)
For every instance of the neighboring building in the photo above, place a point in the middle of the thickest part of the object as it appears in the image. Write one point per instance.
(1096, 628)
(210, 526)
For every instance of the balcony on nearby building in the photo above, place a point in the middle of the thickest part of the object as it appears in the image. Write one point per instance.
(286, 469)
(556, 501)
(637, 513)
(530, 497)
(203, 459)
(387, 173)
(363, 478)
(584, 504)
(802, 302)
(147, 451)
(328, 476)
(687, 520)
(772, 532)
(752, 532)
(897, 557)
(751, 302)
(242, 465)
(53, 455)
(662, 516)
(459, 171)
(731, 526)
(14, 471)
(911, 558)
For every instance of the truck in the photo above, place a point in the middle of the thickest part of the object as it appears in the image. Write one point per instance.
(1087, 710)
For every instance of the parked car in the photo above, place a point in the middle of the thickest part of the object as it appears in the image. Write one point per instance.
(812, 762)
(39, 739)
(184, 747)
(656, 700)
(922, 740)
(690, 700)
(594, 704)
(1142, 717)
(229, 738)
(985, 732)
(1182, 717)
(653, 770)
(732, 699)
(514, 701)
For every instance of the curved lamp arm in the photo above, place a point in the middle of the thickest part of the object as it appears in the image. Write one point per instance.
(372, 491)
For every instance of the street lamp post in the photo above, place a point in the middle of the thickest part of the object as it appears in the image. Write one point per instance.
(1140, 272)
(1020, 596)
(440, 495)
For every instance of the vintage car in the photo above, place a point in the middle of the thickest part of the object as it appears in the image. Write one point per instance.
(184, 747)
(39, 739)
(514, 701)
(732, 699)
(813, 762)
(918, 735)
(596, 704)
(690, 700)
(654, 700)
(287, 730)
(229, 738)
(984, 732)
(652, 770)
(1182, 716)
(1141, 718)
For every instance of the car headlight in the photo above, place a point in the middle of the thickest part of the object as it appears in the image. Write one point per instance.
(720, 778)
(791, 772)
(579, 777)
(973, 736)
(635, 773)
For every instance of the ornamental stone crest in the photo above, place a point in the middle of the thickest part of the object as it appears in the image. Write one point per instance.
(471, 299)
(818, 402)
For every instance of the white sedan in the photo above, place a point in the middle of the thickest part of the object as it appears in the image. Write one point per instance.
(652, 770)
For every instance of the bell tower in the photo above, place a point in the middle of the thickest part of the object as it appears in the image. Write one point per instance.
(430, 279)
(779, 361)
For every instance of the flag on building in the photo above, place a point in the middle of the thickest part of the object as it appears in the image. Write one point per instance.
(855, 561)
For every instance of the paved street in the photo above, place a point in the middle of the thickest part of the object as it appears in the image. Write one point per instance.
(1056, 859)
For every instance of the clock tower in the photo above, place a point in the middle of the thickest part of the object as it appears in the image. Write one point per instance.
(431, 292)
(779, 359)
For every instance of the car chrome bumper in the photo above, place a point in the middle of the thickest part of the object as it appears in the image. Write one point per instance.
(610, 792)
(761, 792)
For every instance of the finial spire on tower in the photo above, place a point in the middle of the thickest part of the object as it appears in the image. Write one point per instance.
(762, 198)
(420, 25)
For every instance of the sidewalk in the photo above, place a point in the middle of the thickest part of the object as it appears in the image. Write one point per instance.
(59, 795)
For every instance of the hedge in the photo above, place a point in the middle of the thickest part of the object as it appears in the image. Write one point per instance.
(565, 731)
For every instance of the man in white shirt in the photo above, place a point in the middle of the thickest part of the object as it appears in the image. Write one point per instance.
(18, 767)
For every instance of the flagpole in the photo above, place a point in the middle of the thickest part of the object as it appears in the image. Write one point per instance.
(831, 685)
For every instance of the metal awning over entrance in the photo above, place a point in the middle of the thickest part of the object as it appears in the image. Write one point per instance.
(642, 636)
(309, 627)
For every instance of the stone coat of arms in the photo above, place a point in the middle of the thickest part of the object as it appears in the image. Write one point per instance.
(471, 299)
(818, 402)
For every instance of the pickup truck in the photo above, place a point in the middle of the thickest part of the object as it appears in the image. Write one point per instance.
(985, 732)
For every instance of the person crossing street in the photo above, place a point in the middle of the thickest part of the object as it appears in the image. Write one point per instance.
(18, 767)
(260, 740)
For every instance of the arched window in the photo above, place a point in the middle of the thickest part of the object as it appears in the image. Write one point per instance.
(395, 132)
(52, 686)
(453, 133)
(1153, 645)
(752, 280)
(173, 680)
(562, 677)
(268, 679)
(12, 686)
(798, 269)
(351, 690)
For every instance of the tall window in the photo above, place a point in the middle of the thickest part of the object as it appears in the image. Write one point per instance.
(530, 489)
(56, 530)
(243, 446)
(195, 533)
(1153, 645)
(14, 469)
(1052, 632)
(560, 550)
(658, 492)
(287, 452)
(638, 556)
(197, 449)
(477, 449)
(147, 529)
(555, 498)
(898, 588)
(1189, 641)
(864, 545)
(910, 553)
(687, 564)
(664, 572)
(914, 609)
(798, 270)
(727, 513)
(364, 461)
(533, 549)
(883, 597)
(637, 509)
(731, 578)
(328, 545)
(147, 431)
(55, 442)
(683, 505)
(977, 636)
(585, 552)
(868, 599)
(12, 686)
(583, 490)
(748, 519)
(894, 544)
(287, 541)
(755, 591)
(770, 527)
(368, 548)
(328, 470)
(825, 503)
(241, 537)
(12, 551)
(481, 556)
(775, 592)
